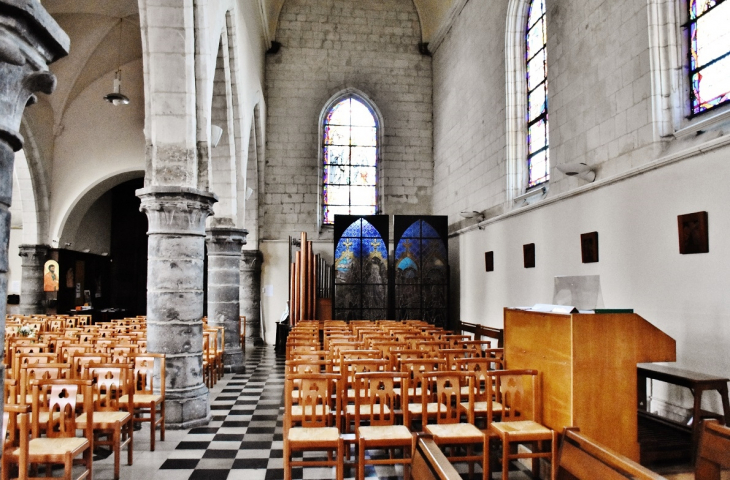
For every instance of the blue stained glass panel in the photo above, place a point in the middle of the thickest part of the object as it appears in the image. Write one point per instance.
(537, 93)
(354, 230)
(368, 230)
(374, 247)
(427, 231)
(414, 231)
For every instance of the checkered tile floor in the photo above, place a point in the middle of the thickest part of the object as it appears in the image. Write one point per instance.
(242, 442)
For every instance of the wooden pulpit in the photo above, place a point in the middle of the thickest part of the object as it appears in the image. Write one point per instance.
(587, 366)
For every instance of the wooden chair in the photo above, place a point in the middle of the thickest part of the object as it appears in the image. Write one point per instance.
(713, 453)
(209, 372)
(429, 463)
(149, 402)
(58, 399)
(449, 429)
(39, 371)
(375, 405)
(483, 389)
(30, 358)
(583, 459)
(520, 422)
(316, 427)
(348, 369)
(112, 417)
(15, 422)
(415, 397)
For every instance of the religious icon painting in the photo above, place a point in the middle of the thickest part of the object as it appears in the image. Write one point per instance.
(421, 265)
(50, 276)
(361, 267)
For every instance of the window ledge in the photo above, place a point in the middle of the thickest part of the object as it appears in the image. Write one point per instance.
(531, 193)
(704, 124)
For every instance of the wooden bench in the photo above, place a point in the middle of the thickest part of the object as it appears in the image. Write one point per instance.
(481, 332)
(697, 383)
(429, 462)
(584, 459)
(714, 451)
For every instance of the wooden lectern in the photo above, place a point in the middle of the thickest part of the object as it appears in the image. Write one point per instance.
(587, 365)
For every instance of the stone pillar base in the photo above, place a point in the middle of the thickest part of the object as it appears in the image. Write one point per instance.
(187, 409)
(233, 360)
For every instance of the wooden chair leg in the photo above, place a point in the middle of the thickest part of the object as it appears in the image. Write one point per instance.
(130, 445)
(361, 461)
(340, 468)
(162, 422)
(287, 461)
(505, 456)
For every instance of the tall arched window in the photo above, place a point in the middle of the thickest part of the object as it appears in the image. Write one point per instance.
(350, 156)
(538, 158)
(709, 39)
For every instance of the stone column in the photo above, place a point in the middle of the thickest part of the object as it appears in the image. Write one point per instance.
(30, 39)
(251, 261)
(175, 256)
(224, 257)
(33, 257)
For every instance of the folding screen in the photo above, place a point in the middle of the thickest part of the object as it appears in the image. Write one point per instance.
(361, 267)
(421, 268)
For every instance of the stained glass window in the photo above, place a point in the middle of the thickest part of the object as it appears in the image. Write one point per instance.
(421, 269)
(709, 39)
(361, 268)
(538, 159)
(350, 161)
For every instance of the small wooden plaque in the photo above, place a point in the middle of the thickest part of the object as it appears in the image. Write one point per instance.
(693, 237)
(589, 247)
(489, 261)
(528, 252)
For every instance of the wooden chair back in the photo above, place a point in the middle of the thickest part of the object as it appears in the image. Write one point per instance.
(377, 391)
(148, 371)
(449, 397)
(80, 362)
(30, 373)
(583, 459)
(713, 454)
(30, 359)
(314, 397)
(111, 382)
(59, 399)
(517, 391)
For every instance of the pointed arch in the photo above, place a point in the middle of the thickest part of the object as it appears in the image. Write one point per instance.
(347, 185)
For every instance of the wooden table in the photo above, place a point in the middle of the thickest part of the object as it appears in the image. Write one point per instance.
(698, 383)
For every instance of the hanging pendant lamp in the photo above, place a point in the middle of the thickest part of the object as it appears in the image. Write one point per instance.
(116, 97)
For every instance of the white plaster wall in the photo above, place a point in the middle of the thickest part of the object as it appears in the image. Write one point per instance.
(275, 272)
(640, 265)
(98, 140)
(95, 229)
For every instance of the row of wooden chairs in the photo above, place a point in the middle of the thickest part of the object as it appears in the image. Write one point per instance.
(429, 393)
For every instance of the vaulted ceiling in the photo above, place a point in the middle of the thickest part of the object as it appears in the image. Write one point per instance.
(432, 14)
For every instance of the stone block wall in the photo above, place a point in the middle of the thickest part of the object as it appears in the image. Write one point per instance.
(599, 99)
(328, 46)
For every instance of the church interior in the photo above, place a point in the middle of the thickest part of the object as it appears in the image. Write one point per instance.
(238, 186)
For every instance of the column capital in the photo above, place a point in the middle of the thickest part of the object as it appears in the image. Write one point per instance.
(33, 252)
(176, 210)
(251, 260)
(29, 41)
(225, 240)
